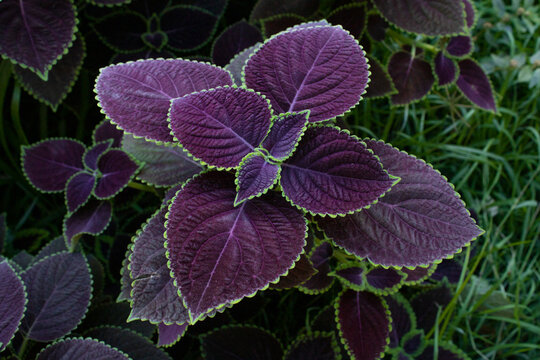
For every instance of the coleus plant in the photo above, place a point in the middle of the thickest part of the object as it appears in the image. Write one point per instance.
(278, 169)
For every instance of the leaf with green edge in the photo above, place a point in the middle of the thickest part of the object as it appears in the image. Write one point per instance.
(320, 257)
(162, 165)
(92, 154)
(285, 133)
(418, 274)
(234, 39)
(79, 189)
(92, 218)
(380, 83)
(104, 131)
(121, 30)
(428, 303)
(413, 342)
(275, 24)
(353, 18)
(444, 351)
(302, 271)
(450, 269)
(459, 46)
(403, 318)
(59, 288)
(136, 95)
(22, 259)
(125, 278)
(412, 77)
(56, 245)
(420, 221)
(61, 77)
(116, 169)
(320, 346)
(384, 281)
(474, 84)
(237, 63)
(98, 275)
(469, 13)
(220, 253)
(430, 17)
(445, 69)
(36, 33)
(12, 303)
(80, 349)
(352, 275)
(254, 177)
(170, 334)
(220, 126)
(376, 27)
(330, 71)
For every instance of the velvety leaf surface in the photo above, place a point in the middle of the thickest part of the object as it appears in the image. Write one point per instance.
(445, 69)
(459, 46)
(36, 32)
(302, 271)
(170, 334)
(234, 39)
(286, 131)
(240, 343)
(136, 95)
(278, 23)
(236, 65)
(56, 245)
(254, 177)
(419, 221)
(333, 173)
(78, 190)
(267, 8)
(220, 126)
(193, 30)
(60, 78)
(329, 77)
(426, 305)
(91, 219)
(469, 12)
(12, 303)
(92, 155)
(384, 279)
(431, 17)
(380, 84)
(320, 258)
(412, 77)
(315, 346)
(474, 84)
(351, 16)
(59, 289)
(105, 131)
(219, 253)
(403, 319)
(80, 349)
(352, 275)
(363, 323)
(49, 164)
(117, 169)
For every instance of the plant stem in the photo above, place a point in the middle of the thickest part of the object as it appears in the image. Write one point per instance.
(23, 347)
(403, 39)
(5, 74)
(142, 187)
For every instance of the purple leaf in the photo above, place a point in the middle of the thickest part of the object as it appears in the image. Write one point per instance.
(448, 268)
(329, 77)
(125, 278)
(60, 80)
(418, 274)
(469, 13)
(121, 30)
(80, 349)
(459, 46)
(314, 346)
(59, 289)
(403, 318)
(364, 323)
(254, 177)
(430, 17)
(92, 155)
(352, 276)
(234, 39)
(240, 342)
(381, 280)
(236, 66)
(91, 219)
(278, 23)
(35, 33)
(320, 258)
(22, 260)
(78, 190)
(49, 164)
(445, 69)
(474, 84)
(376, 27)
(54, 246)
(412, 77)
(170, 334)
(220, 126)
(284, 135)
(351, 16)
(427, 304)
(266, 8)
(117, 169)
(380, 82)
(12, 303)
(105, 131)
(332, 173)
(136, 96)
(116, 314)
(444, 351)
(302, 271)
(220, 253)
(155, 40)
(421, 220)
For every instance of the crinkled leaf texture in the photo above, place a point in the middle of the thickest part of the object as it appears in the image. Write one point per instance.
(254, 177)
(445, 69)
(431, 17)
(314, 346)
(412, 77)
(284, 135)
(136, 95)
(12, 303)
(474, 84)
(59, 289)
(35, 33)
(322, 69)
(170, 334)
(220, 253)
(234, 39)
(220, 126)
(92, 218)
(116, 169)
(78, 190)
(332, 173)
(81, 349)
(421, 220)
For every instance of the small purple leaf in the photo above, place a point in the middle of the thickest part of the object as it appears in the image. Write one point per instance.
(445, 69)
(329, 77)
(403, 318)
(220, 126)
(351, 16)
(418, 274)
(234, 39)
(117, 169)
(427, 304)
(364, 323)
(474, 84)
(105, 131)
(91, 219)
(170, 334)
(412, 77)
(381, 84)
(136, 96)
(54, 246)
(332, 173)
(80, 349)
(254, 177)
(285, 133)
(278, 23)
(302, 271)
(49, 164)
(382, 281)
(352, 276)
(459, 46)
(220, 253)
(92, 155)
(12, 303)
(121, 30)
(22, 260)
(78, 190)
(469, 13)
(236, 66)
(320, 258)
(444, 351)
(314, 346)
(59, 289)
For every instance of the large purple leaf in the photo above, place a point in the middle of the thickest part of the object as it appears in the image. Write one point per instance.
(234, 39)
(445, 69)
(162, 165)
(81, 349)
(49, 164)
(321, 281)
(121, 30)
(220, 253)
(236, 65)
(384, 281)
(78, 190)
(35, 33)
(412, 77)
(427, 304)
(419, 221)
(220, 126)
(116, 169)
(314, 346)
(170, 334)
(92, 154)
(12, 303)
(431, 17)
(329, 77)
(105, 131)
(91, 219)
(254, 177)
(332, 173)
(284, 135)
(59, 289)
(459, 46)
(364, 324)
(136, 96)
(380, 82)
(474, 84)
(302, 271)
(60, 80)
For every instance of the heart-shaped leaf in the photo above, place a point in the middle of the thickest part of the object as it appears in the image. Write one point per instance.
(59, 289)
(136, 96)
(105, 131)
(220, 126)
(12, 303)
(155, 40)
(445, 69)
(314, 346)
(254, 177)
(320, 258)
(78, 190)
(117, 169)
(380, 82)
(474, 84)
(412, 77)
(220, 253)
(170, 334)
(92, 155)
(384, 281)
(302, 271)
(332, 173)
(285, 133)
(234, 39)
(459, 46)
(330, 71)
(121, 30)
(81, 349)
(237, 63)
(92, 218)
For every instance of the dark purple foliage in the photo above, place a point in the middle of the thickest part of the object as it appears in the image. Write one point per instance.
(427, 304)
(376, 27)
(403, 319)
(313, 346)
(267, 8)
(412, 77)
(445, 69)
(459, 46)
(170, 334)
(351, 16)
(22, 259)
(286, 131)
(188, 27)
(474, 84)
(92, 218)
(255, 176)
(384, 279)
(121, 30)
(54, 246)
(302, 271)
(78, 190)
(234, 39)
(116, 169)
(238, 62)
(12, 303)
(351, 275)
(469, 13)
(380, 82)
(417, 274)
(80, 349)
(320, 258)
(92, 155)
(448, 268)
(105, 131)
(276, 24)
